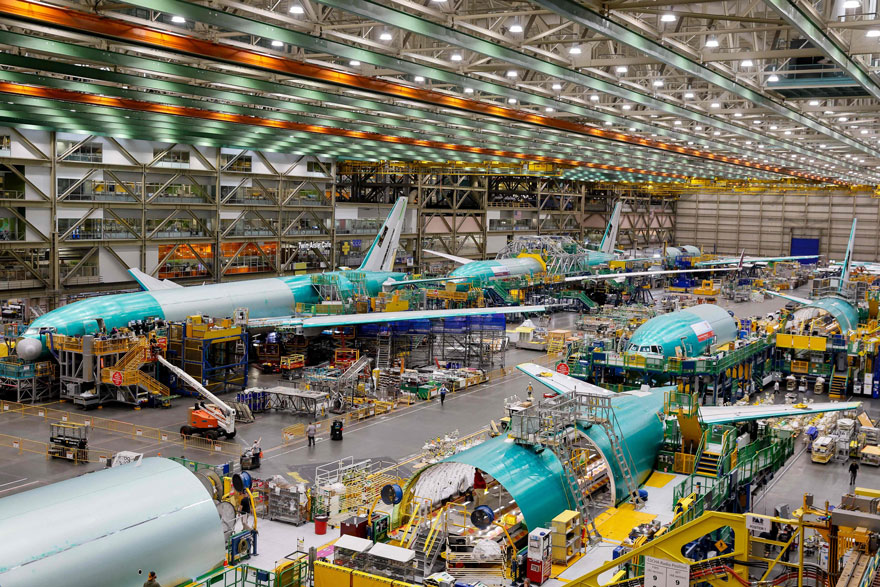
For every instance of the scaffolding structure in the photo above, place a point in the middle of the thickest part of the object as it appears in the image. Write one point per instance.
(472, 341)
(31, 382)
(93, 371)
(216, 355)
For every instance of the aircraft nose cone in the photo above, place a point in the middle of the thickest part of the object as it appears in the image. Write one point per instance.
(28, 349)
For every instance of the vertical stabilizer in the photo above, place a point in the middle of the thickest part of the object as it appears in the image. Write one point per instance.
(847, 260)
(380, 257)
(609, 241)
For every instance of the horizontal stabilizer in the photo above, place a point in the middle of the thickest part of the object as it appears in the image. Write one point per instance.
(150, 283)
(453, 258)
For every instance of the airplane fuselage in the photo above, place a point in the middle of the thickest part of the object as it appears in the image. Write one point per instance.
(693, 330)
(263, 298)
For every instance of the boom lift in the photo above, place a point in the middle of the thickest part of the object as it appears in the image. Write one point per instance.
(209, 420)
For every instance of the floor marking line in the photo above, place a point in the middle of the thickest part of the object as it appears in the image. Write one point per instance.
(11, 482)
(19, 486)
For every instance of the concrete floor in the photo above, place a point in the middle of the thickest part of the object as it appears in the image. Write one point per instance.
(390, 437)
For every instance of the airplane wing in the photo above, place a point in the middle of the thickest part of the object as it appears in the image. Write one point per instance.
(373, 317)
(729, 414)
(150, 283)
(459, 260)
(393, 283)
(748, 260)
(788, 297)
(622, 276)
(561, 384)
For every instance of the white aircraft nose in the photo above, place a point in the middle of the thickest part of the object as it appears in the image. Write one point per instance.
(28, 349)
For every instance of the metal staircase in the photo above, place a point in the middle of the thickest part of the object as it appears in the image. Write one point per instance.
(553, 423)
(383, 350)
(427, 543)
(597, 409)
(128, 367)
(838, 387)
(707, 464)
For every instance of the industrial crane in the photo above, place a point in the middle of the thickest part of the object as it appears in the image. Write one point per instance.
(209, 420)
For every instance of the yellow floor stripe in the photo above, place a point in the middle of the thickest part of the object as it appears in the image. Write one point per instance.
(659, 479)
(621, 521)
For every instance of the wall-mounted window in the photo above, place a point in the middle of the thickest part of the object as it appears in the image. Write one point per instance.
(175, 158)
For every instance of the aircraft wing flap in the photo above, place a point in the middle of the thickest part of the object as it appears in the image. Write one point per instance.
(374, 317)
(730, 414)
(561, 384)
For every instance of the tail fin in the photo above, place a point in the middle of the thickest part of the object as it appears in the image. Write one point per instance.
(847, 260)
(610, 238)
(380, 257)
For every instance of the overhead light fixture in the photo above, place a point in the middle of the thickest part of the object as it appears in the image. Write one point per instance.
(277, 43)
(178, 19)
(698, 128)
(548, 109)
(717, 133)
(594, 97)
(773, 127)
(711, 41)
(468, 90)
(773, 78)
(788, 132)
(608, 123)
(668, 17)
(849, 4)
(677, 123)
(873, 33)
(386, 36)
(842, 119)
(296, 9)
(658, 83)
(626, 107)
(455, 57)
(557, 86)
(621, 69)
(715, 105)
(515, 28)
(814, 102)
(737, 114)
(688, 95)
(756, 122)
(574, 50)
(418, 79)
(354, 63)
(511, 100)
(512, 73)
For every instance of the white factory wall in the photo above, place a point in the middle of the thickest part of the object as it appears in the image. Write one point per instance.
(764, 223)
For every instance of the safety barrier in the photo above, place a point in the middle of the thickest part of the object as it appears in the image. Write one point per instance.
(23, 445)
(121, 428)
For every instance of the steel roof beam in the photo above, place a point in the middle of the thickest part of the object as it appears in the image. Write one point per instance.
(598, 23)
(201, 114)
(803, 23)
(265, 30)
(108, 27)
(373, 11)
(602, 149)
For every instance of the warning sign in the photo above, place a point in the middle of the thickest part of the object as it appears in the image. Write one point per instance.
(116, 378)
(665, 573)
(562, 368)
(703, 330)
